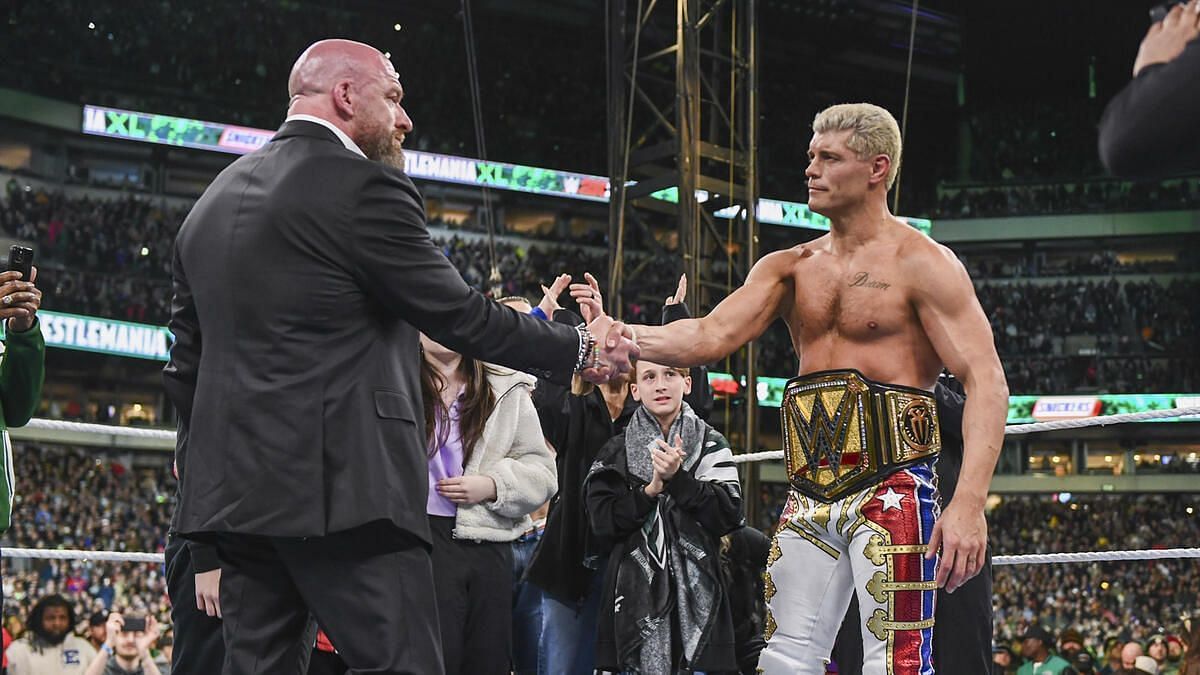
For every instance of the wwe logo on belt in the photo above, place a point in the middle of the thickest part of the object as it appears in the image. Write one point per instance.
(823, 436)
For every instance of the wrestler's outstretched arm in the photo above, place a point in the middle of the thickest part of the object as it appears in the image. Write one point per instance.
(741, 317)
(957, 327)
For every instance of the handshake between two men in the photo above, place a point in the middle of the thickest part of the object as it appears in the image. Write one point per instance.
(616, 342)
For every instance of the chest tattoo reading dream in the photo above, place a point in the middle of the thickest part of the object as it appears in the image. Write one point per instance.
(864, 280)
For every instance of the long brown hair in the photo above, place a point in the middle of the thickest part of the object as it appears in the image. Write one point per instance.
(477, 404)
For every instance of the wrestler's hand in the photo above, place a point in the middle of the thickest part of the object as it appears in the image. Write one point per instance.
(961, 533)
(549, 303)
(680, 292)
(1166, 39)
(208, 592)
(667, 458)
(467, 489)
(618, 348)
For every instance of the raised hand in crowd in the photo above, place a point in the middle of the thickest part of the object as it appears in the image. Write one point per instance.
(549, 304)
(680, 292)
(19, 300)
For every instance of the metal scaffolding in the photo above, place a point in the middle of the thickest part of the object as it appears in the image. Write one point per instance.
(683, 124)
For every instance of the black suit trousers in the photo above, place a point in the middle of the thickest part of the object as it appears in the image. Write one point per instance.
(373, 596)
(199, 649)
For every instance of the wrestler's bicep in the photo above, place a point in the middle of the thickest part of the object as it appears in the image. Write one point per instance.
(747, 312)
(952, 317)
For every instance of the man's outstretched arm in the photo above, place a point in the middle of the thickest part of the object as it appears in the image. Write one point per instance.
(738, 319)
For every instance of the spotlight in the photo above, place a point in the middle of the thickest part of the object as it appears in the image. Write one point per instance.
(397, 27)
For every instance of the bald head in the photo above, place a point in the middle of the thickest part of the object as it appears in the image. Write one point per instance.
(355, 87)
(325, 63)
(1129, 654)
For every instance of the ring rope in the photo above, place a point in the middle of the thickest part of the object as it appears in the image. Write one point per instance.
(168, 434)
(1095, 556)
(1027, 559)
(102, 429)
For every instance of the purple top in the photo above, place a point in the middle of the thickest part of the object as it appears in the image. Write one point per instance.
(446, 462)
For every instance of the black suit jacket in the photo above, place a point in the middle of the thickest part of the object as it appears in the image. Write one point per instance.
(1149, 128)
(301, 278)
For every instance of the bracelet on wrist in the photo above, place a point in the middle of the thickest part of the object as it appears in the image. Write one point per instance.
(588, 350)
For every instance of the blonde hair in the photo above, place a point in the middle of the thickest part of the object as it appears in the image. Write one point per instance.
(874, 131)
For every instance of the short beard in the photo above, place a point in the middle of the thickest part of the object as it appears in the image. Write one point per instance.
(48, 639)
(381, 147)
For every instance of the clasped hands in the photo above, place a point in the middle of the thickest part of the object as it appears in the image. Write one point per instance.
(667, 460)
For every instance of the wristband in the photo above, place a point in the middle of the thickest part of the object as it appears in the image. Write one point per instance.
(537, 311)
(108, 651)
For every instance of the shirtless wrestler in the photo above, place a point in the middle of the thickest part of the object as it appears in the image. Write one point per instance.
(876, 310)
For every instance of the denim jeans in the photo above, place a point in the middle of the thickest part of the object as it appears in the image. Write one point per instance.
(568, 645)
(526, 610)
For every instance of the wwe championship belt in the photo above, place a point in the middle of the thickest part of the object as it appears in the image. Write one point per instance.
(842, 432)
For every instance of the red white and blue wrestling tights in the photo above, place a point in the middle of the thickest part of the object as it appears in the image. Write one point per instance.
(872, 543)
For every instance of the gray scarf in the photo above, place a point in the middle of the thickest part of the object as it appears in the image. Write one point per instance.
(667, 579)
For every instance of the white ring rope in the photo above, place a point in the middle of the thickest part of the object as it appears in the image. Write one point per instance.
(102, 429)
(168, 434)
(1104, 420)
(1028, 559)
(1095, 556)
(77, 554)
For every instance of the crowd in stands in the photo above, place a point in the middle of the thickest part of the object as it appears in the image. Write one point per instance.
(1092, 263)
(1098, 599)
(1127, 601)
(207, 61)
(1039, 158)
(1143, 334)
(80, 498)
(1066, 196)
(112, 258)
(85, 498)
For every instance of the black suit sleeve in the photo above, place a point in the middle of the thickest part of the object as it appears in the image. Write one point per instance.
(407, 274)
(179, 376)
(1150, 127)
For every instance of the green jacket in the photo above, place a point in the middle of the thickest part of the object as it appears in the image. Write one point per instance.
(1053, 665)
(22, 371)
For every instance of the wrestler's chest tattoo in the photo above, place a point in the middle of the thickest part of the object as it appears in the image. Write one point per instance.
(865, 280)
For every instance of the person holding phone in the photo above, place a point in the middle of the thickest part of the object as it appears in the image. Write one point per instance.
(22, 368)
(126, 650)
(1149, 128)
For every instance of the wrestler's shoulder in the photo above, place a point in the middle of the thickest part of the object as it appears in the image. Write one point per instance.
(789, 259)
(919, 251)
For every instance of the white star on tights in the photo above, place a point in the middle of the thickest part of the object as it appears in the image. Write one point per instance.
(891, 499)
